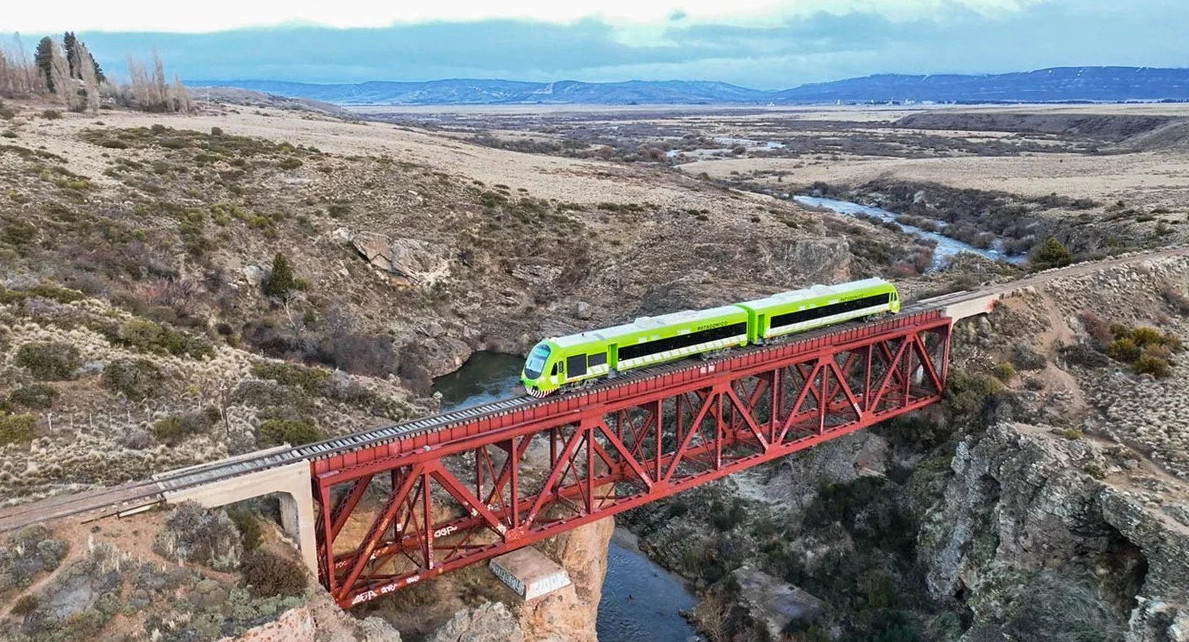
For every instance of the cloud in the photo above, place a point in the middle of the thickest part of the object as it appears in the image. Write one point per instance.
(967, 36)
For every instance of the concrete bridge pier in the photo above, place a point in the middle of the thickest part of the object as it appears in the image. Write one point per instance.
(291, 483)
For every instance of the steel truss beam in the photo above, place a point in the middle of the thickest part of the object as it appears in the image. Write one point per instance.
(445, 505)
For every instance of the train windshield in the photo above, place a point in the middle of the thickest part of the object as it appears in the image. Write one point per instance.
(536, 361)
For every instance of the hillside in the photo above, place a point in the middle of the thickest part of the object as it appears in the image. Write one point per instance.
(1060, 84)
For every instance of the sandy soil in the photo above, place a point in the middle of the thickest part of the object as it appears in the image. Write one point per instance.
(564, 179)
(1150, 178)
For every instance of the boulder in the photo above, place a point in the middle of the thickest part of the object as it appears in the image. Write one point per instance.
(490, 622)
(255, 275)
(814, 260)
(772, 602)
(582, 310)
(412, 261)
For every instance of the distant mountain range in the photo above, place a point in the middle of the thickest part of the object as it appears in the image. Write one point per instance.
(1058, 84)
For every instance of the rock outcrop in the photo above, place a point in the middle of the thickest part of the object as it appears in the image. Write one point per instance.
(569, 615)
(490, 622)
(1022, 506)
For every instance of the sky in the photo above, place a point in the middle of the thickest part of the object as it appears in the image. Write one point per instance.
(766, 44)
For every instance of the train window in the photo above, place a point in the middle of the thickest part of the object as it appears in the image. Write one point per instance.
(682, 341)
(536, 361)
(597, 359)
(790, 318)
(576, 365)
(556, 368)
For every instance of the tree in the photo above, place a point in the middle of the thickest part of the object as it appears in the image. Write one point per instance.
(44, 59)
(280, 280)
(1051, 254)
(70, 44)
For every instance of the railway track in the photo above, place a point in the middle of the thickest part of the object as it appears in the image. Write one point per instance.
(133, 496)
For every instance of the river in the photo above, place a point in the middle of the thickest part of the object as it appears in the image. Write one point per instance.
(946, 246)
(641, 601)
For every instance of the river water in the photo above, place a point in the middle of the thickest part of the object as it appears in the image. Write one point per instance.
(946, 246)
(641, 601)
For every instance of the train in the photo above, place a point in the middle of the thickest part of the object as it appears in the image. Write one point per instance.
(575, 360)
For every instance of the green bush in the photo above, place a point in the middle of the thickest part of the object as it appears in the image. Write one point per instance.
(275, 432)
(176, 428)
(248, 526)
(290, 374)
(1051, 254)
(968, 394)
(38, 395)
(281, 280)
(51, 114)
(1152, 365)
(19, 233)
(289, 163)
(1004, 371)
(1026, 358)
(267, 574)
(136, 379)
(147, 336)
(1123, 349)
(16, 429)
(49, 360)
(42, 291)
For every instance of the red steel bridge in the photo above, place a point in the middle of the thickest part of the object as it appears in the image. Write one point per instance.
(505, 477)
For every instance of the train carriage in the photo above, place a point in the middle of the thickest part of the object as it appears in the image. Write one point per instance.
(818, 306)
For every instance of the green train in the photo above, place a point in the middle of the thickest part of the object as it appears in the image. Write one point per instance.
(579, 358)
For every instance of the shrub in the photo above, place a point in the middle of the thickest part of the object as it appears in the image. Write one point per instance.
(1082, 354)
(248, 526)
(281, 280)
(136, 379)
(969, 395)
(25, 605)
(41, 291)
(1177, 301)
(1004, 371)
(176, 428)
(1051, 254)
(147, 336)
(267, 574)
(1026, 358)
(275, 432)
(289, 374)
(37, 395)
(195, 534)
(1153, 365)
(20, 233)
(51, 114)
(48, 360)
(16, 429)
(112, 143)
(1124, 350)
(289, 163)
(216, 131)
(1099, 330)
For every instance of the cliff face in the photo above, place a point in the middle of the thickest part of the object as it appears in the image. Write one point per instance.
(1026, 533)
(571, 613)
